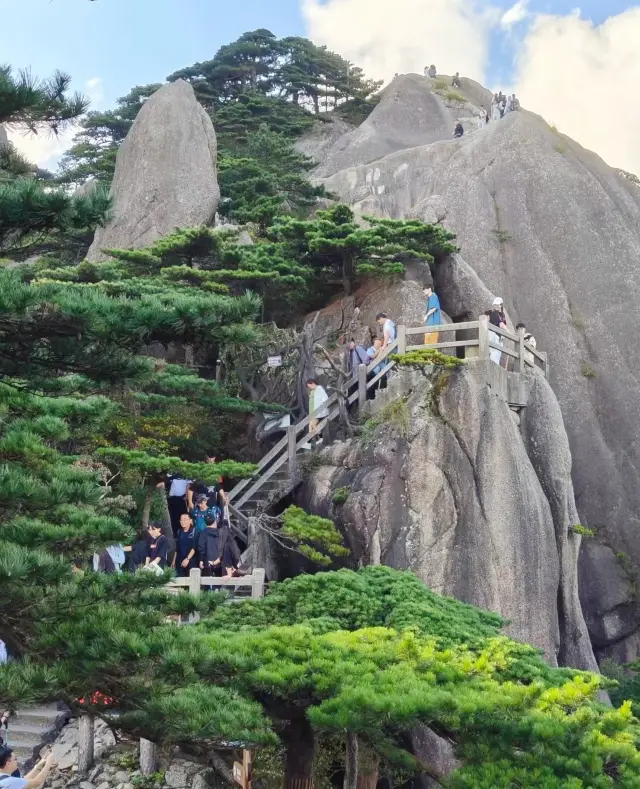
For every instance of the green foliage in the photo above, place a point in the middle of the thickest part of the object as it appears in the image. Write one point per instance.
(35, 218)
(588, 370)
(316, 538)
(440, 84)
(501, 236)
(560, 148)
(340, 495)
(452, 95)
(147, 781)
(582, 530)
(334, 247)
(34, 105)
(427, 357)
(395, 414)
(627, 683)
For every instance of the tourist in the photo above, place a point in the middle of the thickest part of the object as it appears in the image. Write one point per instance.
(483, 119)
(372, 354)
(455, 82)
(200, 512)
(459, 129)
(388, 328)
(157, 549)
(516, 103)
(529, 340)
(317, 410)
(496, 318)
(432, 315)
(213, 490)
(110, 560)
(185, 546)
(356, 355)
(9, 767)
(208, 548)
(495, 108)
(432, 71)
(136, 553)
(176, 498)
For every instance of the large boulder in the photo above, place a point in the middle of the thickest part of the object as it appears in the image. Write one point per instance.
(555, 231)
(409, 113)
(445, 486)
(165, 173)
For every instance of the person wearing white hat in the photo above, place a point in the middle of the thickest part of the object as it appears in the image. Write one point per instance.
(496, 318)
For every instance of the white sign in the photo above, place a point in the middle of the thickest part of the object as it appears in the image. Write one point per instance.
(274, 361)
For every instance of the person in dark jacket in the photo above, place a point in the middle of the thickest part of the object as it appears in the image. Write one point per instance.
(185, 557)
(218, 552)
(459, 130)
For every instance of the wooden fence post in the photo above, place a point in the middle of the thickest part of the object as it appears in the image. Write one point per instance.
(195, 587)
(148, 757)
(257, 583)
(402, 340)
(546, 363)
(521, 362)
(292, 439)
(483, 337)
(85, 743)
(362, 386)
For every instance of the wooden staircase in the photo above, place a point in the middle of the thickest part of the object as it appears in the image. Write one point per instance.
(279, 471)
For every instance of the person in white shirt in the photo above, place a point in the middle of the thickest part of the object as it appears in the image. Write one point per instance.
(388, 328)
(317, 410)
(176, 499)
(529, 340)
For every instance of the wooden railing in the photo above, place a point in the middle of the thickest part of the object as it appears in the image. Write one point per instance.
(196, 582)
(356, 389)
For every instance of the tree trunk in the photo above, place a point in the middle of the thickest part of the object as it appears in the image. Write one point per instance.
(347, 275)
(300, 743)
(351, 763)
(368, 768)
(148, 758)
(146, 508)
(85, 743)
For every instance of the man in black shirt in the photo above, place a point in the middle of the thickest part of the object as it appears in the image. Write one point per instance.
(209, 548)
(157, 547)
(185, 547)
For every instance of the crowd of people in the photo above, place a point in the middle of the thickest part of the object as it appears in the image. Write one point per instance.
(198, 534)
(357, 354)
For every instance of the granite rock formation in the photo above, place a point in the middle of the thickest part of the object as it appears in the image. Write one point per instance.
(165, 173)
(555, 231)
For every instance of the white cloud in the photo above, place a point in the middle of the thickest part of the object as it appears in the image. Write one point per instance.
(385, 37)
(584, 78)
(517, 13)
(44, 148)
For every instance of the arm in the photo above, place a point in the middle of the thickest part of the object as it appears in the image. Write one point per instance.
(386, 337)
(41, 770)
(190, 555)
(189, 498)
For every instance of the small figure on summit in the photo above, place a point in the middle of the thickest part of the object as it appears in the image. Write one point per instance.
(431, 71)
(459, 129)
(455, 82)
(432, 315)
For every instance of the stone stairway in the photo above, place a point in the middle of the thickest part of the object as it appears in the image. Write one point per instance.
(32, 727)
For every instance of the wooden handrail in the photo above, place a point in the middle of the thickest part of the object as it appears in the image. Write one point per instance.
(356, 387)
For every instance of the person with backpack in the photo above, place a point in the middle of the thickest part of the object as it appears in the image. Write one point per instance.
(32, 780)
(497, 318)
(201, 510)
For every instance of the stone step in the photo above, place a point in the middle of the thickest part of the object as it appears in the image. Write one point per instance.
(38, 716)
(25, 732)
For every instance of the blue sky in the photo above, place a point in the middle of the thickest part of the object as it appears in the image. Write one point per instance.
(132, 42)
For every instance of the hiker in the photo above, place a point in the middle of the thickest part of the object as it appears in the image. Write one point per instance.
(185, 557)
(317, 410)
(356, 355)
(9, 767)
(459, 129)
(109, 561)
(496, 318)
(432, 315)
(372, 353)
(483, 119)
(495, 108)
(214, 491)
(388, 328)
(509, 104)
(455, 82)
(529, 340)
(157, 549)
(432, 71)
(176, 492)
(200, 512)
(136, 553)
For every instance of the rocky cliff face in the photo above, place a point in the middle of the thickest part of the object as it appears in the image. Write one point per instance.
(555, 231)
(165, 175)
(449, 485)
